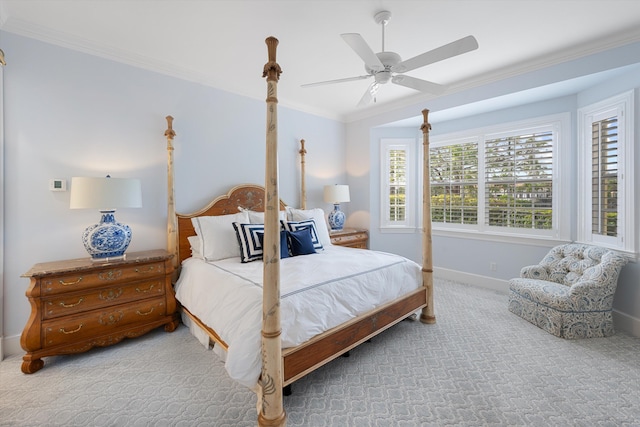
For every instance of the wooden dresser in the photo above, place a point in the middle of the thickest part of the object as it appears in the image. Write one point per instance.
(350, 237)
(79, 304)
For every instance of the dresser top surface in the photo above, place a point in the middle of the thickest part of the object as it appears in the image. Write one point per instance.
(333, 233)
(86, 263)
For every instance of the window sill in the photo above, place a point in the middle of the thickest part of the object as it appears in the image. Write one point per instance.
(520, 239)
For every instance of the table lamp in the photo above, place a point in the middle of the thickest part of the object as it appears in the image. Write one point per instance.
(108, 239)
(336, 194)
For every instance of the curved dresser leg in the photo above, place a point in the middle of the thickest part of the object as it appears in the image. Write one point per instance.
(29, 366)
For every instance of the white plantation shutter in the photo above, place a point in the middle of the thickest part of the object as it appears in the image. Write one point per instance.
(519, 181)
(454, 183)
(604, 177)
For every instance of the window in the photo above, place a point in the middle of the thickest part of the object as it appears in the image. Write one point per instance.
(605, 196)
(604, 177)
(519, 181)
(502, 180)
(398, 183)
(454, 183)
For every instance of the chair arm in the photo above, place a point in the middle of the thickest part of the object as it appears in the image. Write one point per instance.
(534, 272)
(588, 295)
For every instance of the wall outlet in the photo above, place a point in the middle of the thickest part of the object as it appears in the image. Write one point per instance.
(493, 266)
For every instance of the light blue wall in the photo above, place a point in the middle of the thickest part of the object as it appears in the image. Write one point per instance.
(71, 114)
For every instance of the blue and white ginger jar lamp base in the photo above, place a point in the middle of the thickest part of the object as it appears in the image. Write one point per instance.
(108, 239)
(336, 218)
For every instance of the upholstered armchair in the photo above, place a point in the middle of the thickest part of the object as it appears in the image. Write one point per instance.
(570, 293)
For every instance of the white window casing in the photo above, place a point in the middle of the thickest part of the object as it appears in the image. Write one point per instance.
(398, 185)
(618, 152)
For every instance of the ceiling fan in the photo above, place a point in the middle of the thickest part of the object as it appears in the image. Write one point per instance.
(388, 66)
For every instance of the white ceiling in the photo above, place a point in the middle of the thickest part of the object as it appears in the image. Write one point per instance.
(220, 43)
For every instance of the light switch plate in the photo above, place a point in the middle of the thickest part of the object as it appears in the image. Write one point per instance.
(57, 184)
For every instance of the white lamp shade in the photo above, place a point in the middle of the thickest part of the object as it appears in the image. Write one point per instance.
(105, 193)
(336, 193)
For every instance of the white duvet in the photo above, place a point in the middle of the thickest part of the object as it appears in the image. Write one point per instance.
(318, 292)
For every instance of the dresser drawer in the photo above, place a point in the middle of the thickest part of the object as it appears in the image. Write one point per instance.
(353, 239)
(99, 278)
(67, 304)
(101, 322)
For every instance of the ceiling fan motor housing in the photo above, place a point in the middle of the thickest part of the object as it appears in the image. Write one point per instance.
(388, 59)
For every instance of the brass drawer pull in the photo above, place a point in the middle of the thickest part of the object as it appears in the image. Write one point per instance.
(149, 289)
(145, 314)
(62, 304)
(63, 283)
(150, 269)
(72, 332)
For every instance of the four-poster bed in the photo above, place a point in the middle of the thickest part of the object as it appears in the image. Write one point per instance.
(282, 366)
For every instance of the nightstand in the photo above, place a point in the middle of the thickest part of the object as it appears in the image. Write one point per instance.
(80, 304)
(350, 237)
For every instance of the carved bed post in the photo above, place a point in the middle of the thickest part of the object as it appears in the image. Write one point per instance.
(303, 184)
(272, 410)
(172, 226)
(427, 315)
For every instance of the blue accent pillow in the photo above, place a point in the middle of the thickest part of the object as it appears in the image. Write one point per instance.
(299, 225)
(250, 244)
(284, 246)
(300, 242)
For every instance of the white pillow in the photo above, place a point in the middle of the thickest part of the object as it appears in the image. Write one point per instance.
(217, 236)
(317, 215)
(196, 246)
(258, 217)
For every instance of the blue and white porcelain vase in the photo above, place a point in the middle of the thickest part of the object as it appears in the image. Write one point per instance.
(108, 239)
(336, 218)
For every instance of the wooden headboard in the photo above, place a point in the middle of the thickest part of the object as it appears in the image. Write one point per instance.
(245, 196)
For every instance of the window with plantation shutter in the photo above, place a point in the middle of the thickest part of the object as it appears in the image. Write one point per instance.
(398, 183)
(454, 183)
(605, 170)
(604, 177)
(504, 180)
(519, 181)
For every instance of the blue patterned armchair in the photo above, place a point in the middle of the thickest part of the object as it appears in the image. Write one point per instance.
(570, 293)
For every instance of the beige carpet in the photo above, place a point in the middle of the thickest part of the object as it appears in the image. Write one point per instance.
(479, 365)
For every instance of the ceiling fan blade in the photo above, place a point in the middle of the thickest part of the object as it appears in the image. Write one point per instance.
(458, 47)
(328, 82)
(419, 84)
(369, 94)
(362, 49)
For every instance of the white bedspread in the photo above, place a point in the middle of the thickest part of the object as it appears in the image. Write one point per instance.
(318, 292)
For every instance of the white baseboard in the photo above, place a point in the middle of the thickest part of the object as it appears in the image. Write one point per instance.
(492, 283)
(627, 323)
(622, 321)
(10, 346)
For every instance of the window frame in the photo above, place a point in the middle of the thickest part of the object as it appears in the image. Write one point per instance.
(622, 106)
(560, 125)
(409, 224)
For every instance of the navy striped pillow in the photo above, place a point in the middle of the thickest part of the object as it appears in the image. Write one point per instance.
(301, 225)
(249, 241)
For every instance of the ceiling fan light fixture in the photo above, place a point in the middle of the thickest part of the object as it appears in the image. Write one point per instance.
(382, 77)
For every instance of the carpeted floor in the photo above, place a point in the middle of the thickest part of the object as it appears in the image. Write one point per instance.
(479, 365)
